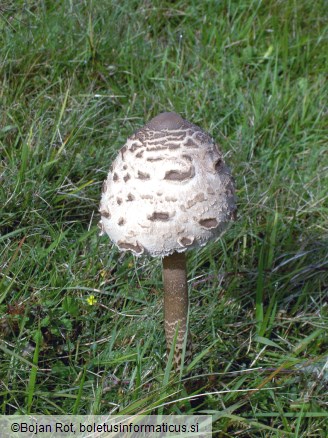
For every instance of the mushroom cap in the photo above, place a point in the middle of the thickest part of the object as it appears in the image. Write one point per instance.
(168, 189)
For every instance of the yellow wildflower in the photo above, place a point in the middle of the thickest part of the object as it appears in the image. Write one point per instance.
(91, 300)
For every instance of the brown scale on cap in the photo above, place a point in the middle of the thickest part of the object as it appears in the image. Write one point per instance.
(159, 216)
(176, 175)
(143, 175)
(208, 223)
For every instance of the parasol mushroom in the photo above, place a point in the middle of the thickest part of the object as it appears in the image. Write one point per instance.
(167, 191)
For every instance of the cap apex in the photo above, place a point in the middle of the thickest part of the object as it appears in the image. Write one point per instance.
(166, 120)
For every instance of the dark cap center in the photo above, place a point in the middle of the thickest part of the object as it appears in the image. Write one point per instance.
(169, 121)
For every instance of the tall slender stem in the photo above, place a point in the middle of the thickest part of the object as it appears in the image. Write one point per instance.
(175, 302)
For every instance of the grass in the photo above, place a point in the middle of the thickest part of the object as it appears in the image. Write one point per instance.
(77, 78)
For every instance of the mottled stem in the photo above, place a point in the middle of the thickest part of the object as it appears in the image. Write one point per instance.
(175, 303)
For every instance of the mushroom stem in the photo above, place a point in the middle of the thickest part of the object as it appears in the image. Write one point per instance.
(175, 303)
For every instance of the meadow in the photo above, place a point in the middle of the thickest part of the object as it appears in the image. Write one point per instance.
(81, 325)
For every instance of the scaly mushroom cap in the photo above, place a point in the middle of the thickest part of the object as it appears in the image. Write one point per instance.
(168, 189)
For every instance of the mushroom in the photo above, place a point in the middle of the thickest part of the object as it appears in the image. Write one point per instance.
(167, 191)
